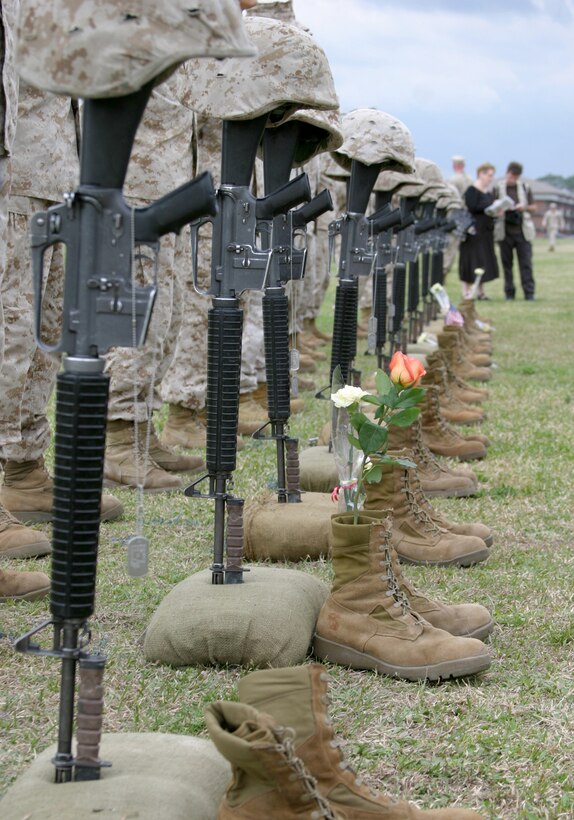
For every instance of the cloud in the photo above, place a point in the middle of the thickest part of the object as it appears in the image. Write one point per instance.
(489, 67)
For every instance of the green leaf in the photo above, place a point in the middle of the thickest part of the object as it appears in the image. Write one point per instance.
(385, 458)
(357, 420)
(405, 417)
(372, 437)
(382, 382)
(370, 399)
(354, 442)
(374, 475)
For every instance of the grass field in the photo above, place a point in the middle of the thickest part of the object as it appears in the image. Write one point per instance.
(503, 742)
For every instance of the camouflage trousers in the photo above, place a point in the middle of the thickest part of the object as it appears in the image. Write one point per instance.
(185, 382)
(449, 254)
(28, 374)
(5, 174)
(136, 373)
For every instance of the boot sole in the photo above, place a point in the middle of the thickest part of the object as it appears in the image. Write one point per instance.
(459, 561)
(108, 482)
(472, 456)
(181, 470)
(454, 493)
(28, 551)
(345, 656)
(28, 596)
(481, 632)
(35, 517)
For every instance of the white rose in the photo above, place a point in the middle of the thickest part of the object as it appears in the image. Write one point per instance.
(347, 396)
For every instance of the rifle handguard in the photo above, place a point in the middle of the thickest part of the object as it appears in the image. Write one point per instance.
(81, 410)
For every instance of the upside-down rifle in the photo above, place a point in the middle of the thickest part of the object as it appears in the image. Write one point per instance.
(356, 257)
(237, 264)
(287, 264)
(102, 307)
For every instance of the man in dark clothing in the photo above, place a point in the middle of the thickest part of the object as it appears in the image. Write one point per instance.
(515, 230)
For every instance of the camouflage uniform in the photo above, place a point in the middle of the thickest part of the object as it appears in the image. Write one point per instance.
(8, 113)
(45, 164)
(161, 161)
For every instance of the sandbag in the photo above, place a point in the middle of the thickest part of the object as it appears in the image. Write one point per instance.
(267, 621)
(317, 470)
(152, 777)
(288, 532)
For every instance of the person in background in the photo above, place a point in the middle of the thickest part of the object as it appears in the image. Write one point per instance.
(477, 250)
(514, 231)
(552, 222)
(460, 179)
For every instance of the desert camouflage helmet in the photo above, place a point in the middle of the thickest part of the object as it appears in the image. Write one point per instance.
(449, 198)
(372, 136)
(290, 71)
(320, 132)
(429, 171)
(108, 48)
(396, 181)
(278, 10)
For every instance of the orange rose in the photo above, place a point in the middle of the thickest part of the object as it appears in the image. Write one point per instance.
(405, 371)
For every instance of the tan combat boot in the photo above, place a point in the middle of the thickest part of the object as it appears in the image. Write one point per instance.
(269, 781)
(165, 457)
(440, 437)
(260, 396)
(299, 696)
(458, 387)
(310, 326)
(187, 428)
(124, 467)
(460, 364)
(23, 586)
(306, 364)
(477, 529)
(415, 536)
(466, 345)
(310, 348)
(465, 620)
(452, 408)
(368, 623)
(437, 479)
(28, 489)
(18, 541)
(251, 415)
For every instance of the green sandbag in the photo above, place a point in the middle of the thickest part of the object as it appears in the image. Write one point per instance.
(152, 777)
(267, 621)
(317, 470)
(288, 532)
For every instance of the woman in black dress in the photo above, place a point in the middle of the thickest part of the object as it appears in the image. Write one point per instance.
(477, 250)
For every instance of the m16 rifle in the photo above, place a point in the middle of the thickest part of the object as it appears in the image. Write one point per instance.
(356, 257)
(102, 307)
(287, 264)
(237, 264)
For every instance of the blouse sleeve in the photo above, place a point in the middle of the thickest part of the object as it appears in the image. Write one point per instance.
(475, 200)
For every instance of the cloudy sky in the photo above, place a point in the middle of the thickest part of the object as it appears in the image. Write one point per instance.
(490, 79)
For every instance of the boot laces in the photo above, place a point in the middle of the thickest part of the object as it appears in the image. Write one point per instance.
(285, 737)
(336, 743)
(6, 518)
(419, 512)
(393, 585)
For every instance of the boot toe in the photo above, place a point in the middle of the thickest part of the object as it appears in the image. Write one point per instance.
(23, 586)
(110, 508)
(17, 541)
(462, 620)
